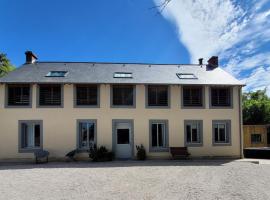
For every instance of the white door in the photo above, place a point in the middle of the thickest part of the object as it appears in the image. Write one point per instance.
(123, 140)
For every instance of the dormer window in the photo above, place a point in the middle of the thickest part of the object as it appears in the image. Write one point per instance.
(57, 74)
(122, 75)
(186, 76)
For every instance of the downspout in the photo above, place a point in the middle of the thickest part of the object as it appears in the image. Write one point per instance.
(240, 121)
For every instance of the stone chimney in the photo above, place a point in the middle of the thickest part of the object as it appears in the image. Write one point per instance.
(30, 57)
(200, 61)
(213, 62)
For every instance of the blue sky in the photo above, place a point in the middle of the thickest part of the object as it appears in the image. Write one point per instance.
(128, 31)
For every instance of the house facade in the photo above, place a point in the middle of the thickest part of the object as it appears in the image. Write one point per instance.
(61, 106)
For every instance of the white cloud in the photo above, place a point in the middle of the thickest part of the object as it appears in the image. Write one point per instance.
(233, 31)
(258, 80)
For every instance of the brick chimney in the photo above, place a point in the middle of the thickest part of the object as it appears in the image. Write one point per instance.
(213, 62)
(30, 57)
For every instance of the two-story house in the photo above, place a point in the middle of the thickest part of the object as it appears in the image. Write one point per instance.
(61, 106)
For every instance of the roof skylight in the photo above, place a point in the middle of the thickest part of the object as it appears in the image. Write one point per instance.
(57, 74)
(186, 76)
(122, 75)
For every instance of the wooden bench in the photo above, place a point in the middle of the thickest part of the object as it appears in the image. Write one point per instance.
(179, 152)
(41, 154)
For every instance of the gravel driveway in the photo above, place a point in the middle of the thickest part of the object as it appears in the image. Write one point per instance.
(136, 180)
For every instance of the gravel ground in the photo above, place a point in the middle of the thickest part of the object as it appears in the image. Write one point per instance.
(136, 180)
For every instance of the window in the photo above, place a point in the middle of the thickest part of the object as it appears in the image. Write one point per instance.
(193, 132)
(186, 76)
(159, 135)
(192, 96)
(50, 95)
(86, 95)
(122, 75)
(123, 136)
(123, 95)
(86, 134)
(57, 74)
(221, 131)
(157, 95)
(256, 138)
(30, 135)
(221, 97)
(18, 95)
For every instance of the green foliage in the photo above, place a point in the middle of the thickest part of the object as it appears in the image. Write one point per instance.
(256, 107)
(5, 65)
(141, 153)
(100, 154)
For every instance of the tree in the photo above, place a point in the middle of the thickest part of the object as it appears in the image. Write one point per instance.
(256, 107)
(5, 65)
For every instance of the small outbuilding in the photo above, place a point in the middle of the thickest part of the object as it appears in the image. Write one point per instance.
(256, 136)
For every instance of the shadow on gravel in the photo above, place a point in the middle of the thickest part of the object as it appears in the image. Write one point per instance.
(126, 163)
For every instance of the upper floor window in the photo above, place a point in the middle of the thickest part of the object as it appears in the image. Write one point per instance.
(158, 95)
(86, 95)
(221, 97)
(123, 95)
(50, 95)
(192, 96)
(18, 95)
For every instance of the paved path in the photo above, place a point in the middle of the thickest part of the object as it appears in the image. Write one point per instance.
(136, 180)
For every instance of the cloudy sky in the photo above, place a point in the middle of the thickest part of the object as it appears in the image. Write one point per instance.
(238, 31)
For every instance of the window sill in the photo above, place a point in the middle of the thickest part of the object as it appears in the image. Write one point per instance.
(222, 144)
(123, 106)
(86, 106)
(165, 149)
(193, 107)
(18, 106)
(29, 150)
(194, 144)
(220, 107)
(157, 107)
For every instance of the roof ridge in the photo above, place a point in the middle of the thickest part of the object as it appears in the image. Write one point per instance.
(127, 63)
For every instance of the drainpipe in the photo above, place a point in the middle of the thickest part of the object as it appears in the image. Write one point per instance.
(240, 121)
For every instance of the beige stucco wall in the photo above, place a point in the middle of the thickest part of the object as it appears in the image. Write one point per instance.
(59, 124)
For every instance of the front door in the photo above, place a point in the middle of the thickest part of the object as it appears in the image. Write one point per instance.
(123, 140)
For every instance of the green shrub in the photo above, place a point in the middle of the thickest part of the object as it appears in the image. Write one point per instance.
(141, 153)
(72, 154)
(100, 154)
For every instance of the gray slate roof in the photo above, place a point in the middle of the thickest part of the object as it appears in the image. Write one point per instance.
(82, 72)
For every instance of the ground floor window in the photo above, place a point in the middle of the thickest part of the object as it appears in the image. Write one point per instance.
(30, 135)
(158, 135)
(86, 134)
(221, 131)
(193, 132)
(256, 138)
